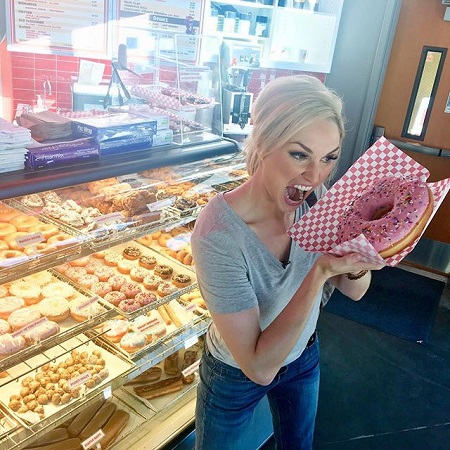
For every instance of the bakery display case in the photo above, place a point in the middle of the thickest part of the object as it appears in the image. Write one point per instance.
(105, 320)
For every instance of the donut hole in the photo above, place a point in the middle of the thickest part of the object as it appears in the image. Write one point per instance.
(382, 211)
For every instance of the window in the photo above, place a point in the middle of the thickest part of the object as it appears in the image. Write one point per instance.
(423, 93)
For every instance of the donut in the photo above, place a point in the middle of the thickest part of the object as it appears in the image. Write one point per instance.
(181, 280)
(6, 228)
(147, 262)
(117, 281)
(42, 331)
(145, 298)
(164, 271)
(23, 316)
(82, 309)
(115, 329)
(115, 297)
(151, 282)
(11, 254)
(164, 238)
(63, 290)
(104, 273)
(100, 255)
(80, 262)
(88, 280)
(3, 291)
(58, 239)
(7, 213)
(129, 305)
(39, 278)
(75, 273)
(125, 266)
(55, 309)
(133, 341)
(10, 304)
(130, 289)
(131, 253)
(170, 252)
(151, 327)
(46, 229)
(93, 265)
(112, 259)
(165, 289)
(138, 274)
(3, 245)
(10, 239)
(391, 214)
(23, 222)
(188, 260)
(41, 248)
(25, 290)
(101, 288)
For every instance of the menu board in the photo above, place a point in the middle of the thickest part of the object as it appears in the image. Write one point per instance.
(176, 16)
(77, 27)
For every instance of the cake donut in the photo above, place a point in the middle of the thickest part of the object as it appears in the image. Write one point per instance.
(391, 214)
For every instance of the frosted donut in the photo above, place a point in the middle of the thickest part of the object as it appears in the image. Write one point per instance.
(181, 280)
(138, 274)
(22, 317)
(3, 245)
(104, 273)
(101, 288)
(133, 341)
(54, 308)
(24, 222)
(115, 329)
(151, 282)
(115, 297)
(145, 298)
(130, 289)
(116, 282)
(82, 309)
(88, 280)
(80, 262)
(164, 271)
(165, 289)
(25, 290)
(40, 332)
(40, 278)
(125, 266)
(6, 228)
(46, 229)
(63, 289)
(391, 214)
(129, 305)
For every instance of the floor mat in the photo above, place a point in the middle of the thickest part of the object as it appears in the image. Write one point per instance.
(398, 302)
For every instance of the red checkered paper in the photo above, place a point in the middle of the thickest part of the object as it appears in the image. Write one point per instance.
(316, 230)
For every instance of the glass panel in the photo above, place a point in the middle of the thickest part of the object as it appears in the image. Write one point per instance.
(424, 91)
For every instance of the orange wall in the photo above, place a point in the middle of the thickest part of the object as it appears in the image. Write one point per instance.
(421, 23)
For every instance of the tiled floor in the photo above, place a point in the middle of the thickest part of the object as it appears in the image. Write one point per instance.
(379, 392)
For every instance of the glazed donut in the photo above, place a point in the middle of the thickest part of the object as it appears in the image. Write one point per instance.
(46, 229)
(8, 254)
(3, 291)
(10, 239)
(24, 222)
(188, 260)
(7, 213)
(169, 252)
(6, 228)
(10, 304)
(391, 214)
(164, 238)
(3, 245)
(41, 248)
(146, 240)
(59, 239)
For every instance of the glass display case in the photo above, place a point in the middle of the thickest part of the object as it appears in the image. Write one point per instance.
(73, 350)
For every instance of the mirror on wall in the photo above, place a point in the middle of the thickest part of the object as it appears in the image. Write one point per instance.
(424, 91)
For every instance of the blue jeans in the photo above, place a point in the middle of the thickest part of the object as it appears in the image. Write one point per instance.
(226, 399)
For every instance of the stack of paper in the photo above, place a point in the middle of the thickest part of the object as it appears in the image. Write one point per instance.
(13, 140)
(46, 125)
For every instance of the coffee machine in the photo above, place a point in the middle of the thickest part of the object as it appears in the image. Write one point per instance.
(238, 61)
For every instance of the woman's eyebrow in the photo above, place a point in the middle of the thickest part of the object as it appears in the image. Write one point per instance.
(308, 150)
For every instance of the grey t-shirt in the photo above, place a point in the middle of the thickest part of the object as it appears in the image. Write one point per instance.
(236, 272)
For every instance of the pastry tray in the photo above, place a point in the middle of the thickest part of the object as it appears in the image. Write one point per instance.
(71, 246)
(68, 327)
(117, 367)
(188, 316)
(159, 404)
(178, 268)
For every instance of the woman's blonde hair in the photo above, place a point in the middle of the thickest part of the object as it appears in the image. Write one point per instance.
(283, 108)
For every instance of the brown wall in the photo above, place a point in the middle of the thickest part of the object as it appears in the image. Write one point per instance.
(421, 23)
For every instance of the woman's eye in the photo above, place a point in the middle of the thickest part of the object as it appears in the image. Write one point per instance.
(330, 158)
(299, 155)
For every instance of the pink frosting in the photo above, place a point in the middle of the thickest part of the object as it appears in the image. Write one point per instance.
(385, 213)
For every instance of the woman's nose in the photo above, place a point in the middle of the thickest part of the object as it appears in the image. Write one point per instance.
(312, 173)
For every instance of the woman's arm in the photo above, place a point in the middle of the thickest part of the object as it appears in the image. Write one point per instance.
(260, 354)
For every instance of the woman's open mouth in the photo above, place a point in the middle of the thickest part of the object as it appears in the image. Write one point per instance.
(295, 194)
